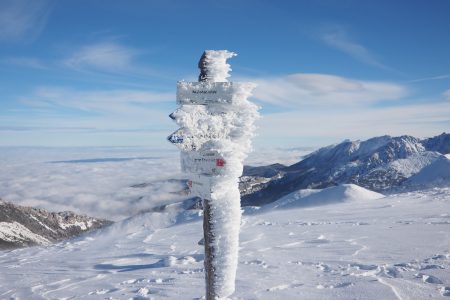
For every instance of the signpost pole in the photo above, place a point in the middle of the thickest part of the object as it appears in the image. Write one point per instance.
(216, 125)
(209, 250)
(207, 217)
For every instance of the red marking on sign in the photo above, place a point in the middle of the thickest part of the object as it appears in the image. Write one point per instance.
(220, 162)
(189, 183)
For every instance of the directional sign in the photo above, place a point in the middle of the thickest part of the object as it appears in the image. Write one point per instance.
(180, 139)
(205, 92)
(200, 186)
(186, 141)
(203, 162)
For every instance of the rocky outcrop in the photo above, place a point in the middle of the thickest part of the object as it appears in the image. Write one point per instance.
(22, 226)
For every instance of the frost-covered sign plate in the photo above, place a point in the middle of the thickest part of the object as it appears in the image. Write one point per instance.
(205, 92)
(200, 186)
(204, 162)
(186, 141)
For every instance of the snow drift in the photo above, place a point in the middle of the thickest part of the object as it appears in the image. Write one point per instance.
(315, 197)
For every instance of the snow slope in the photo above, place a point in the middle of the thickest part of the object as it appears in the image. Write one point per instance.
(396, 247)
(437, 173)
(334, 194)
(16, 233)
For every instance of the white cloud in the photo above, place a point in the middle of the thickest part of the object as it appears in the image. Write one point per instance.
(103, 56)
(20, 19)
(301, 89)
(122, 102)
(439, 77)
(325, 126)
(66, 117)
(447, 94)
(340, 40)
(324, 109)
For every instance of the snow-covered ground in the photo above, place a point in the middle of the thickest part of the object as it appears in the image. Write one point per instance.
(343, 242)
(358, 246)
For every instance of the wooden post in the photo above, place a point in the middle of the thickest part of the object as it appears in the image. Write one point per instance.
(204, 155)
(208, 224)
(209, 250)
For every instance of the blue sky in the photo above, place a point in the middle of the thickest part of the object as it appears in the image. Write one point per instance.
(103, 73)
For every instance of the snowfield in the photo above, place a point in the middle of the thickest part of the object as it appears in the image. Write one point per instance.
(358, 246)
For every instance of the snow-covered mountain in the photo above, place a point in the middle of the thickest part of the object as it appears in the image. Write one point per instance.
(22, 226)
(381, 164)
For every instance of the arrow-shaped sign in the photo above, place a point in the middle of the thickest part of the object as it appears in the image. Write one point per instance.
(190, 142)
(182, 140)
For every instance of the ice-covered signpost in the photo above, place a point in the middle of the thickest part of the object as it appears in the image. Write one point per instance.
(217, 124)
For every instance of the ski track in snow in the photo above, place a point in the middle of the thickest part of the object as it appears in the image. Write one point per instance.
(397, 247)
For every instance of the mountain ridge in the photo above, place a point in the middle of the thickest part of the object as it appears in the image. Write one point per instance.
(381, 164)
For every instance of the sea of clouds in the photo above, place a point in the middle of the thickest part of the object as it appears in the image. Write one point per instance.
(99, 181)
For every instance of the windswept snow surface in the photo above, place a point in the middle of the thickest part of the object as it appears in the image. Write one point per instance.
(396, 247)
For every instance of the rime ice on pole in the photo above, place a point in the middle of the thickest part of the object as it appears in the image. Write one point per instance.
(225, 198)
(224, 127)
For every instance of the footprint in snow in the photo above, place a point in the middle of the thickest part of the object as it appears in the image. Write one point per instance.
(429, 278)
(143, 291)
(319, 240)
(103, 291)
(406, 267)
(430, 267)
(132, 281)
(161, 280)
(284, 287)
(438, 257)
(323, 267)
(391, 272)
(334, 286)
(363, 267)
(256, 262)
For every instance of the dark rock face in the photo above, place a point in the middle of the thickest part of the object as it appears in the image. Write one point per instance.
(22, 226)
(440, 143)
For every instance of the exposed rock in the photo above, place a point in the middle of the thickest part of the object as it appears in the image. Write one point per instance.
(22, 226)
